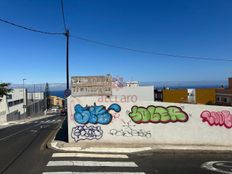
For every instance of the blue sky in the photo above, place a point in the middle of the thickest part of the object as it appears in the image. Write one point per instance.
(193, 28)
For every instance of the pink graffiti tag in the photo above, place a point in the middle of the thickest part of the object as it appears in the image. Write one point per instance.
(222, 118)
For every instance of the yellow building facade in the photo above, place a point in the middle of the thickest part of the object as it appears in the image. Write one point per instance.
(175, 95)
(198, 96)
(56, 101)
(205, 96)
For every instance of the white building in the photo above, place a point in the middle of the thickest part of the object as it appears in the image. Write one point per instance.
(91, 85)
(19, 104)
(132, 84)
(35, 95)
(16, 100)
(13, 106)
(3, 109)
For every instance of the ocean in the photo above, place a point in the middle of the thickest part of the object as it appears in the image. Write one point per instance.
(57, 93)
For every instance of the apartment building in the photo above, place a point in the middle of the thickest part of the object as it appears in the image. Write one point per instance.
(16, 105)
(224, 95)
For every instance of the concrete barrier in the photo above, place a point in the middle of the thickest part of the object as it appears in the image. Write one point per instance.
(147, 122)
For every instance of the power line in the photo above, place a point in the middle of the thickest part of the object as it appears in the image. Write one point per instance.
(30, 29)
(62, 9)
(150, 52)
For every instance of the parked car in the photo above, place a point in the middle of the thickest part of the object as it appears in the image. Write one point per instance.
(55, 110)
(63, 112)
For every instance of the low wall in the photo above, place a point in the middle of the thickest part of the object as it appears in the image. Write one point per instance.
(144, 122)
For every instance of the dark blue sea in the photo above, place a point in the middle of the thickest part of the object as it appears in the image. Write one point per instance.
(57, 93)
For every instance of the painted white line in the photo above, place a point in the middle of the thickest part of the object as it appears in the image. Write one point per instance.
(93, 173)
(89, 155)
(22, 122)
(92, 163)
(33, 131)
(53, 120)
(211, 165)
(16, 133)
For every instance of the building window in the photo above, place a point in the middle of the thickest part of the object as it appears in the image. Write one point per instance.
(225, 100)
(10, 104)
(9, 96)
(218, 99)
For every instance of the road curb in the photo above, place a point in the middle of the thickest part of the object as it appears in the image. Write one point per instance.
(113, 150)
(52, 136)
(62, 146)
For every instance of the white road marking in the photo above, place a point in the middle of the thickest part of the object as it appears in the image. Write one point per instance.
(93, 173)
(53, 120)
(33, 131)
(16, 133)
(92, 163)
(44, 126)
(209, 166)
(88, 155)
(23, 122)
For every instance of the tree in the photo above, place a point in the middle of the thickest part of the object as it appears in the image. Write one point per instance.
(47, 96)
(4, 89)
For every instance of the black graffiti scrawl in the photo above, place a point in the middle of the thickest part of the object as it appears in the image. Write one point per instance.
(83, 132)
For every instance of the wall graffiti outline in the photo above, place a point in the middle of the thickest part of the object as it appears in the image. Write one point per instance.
(94, 114)
(217, 118)
(157, 114)
(128, 131)
(83, 132)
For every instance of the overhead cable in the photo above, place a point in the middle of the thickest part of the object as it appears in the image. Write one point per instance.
(150, 52)
(62, 10)
(30, 29)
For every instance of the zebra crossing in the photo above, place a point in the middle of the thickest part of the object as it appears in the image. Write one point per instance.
(48, 121)
(91, 163)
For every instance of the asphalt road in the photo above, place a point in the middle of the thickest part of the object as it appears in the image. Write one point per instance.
(139, 163)
(23, 147)
(180, 162)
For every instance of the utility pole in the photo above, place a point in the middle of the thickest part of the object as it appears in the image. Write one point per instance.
(67, 91)
(24, 100)
(67, 59)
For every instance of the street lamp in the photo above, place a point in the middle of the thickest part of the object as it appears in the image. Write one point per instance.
(24, 105)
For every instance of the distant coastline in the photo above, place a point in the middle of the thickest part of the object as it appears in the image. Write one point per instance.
(57, 93)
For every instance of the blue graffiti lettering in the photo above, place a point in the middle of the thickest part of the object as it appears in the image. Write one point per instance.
(94, 114)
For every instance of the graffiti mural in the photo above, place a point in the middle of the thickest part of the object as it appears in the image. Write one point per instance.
(94, 114)
(157, 114)
(221, 118)
(129, 130)
(82, 132)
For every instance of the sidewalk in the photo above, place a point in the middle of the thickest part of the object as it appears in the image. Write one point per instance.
(131, 148)
(22, 121)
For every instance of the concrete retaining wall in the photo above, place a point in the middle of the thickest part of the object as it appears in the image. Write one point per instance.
(148, 122)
